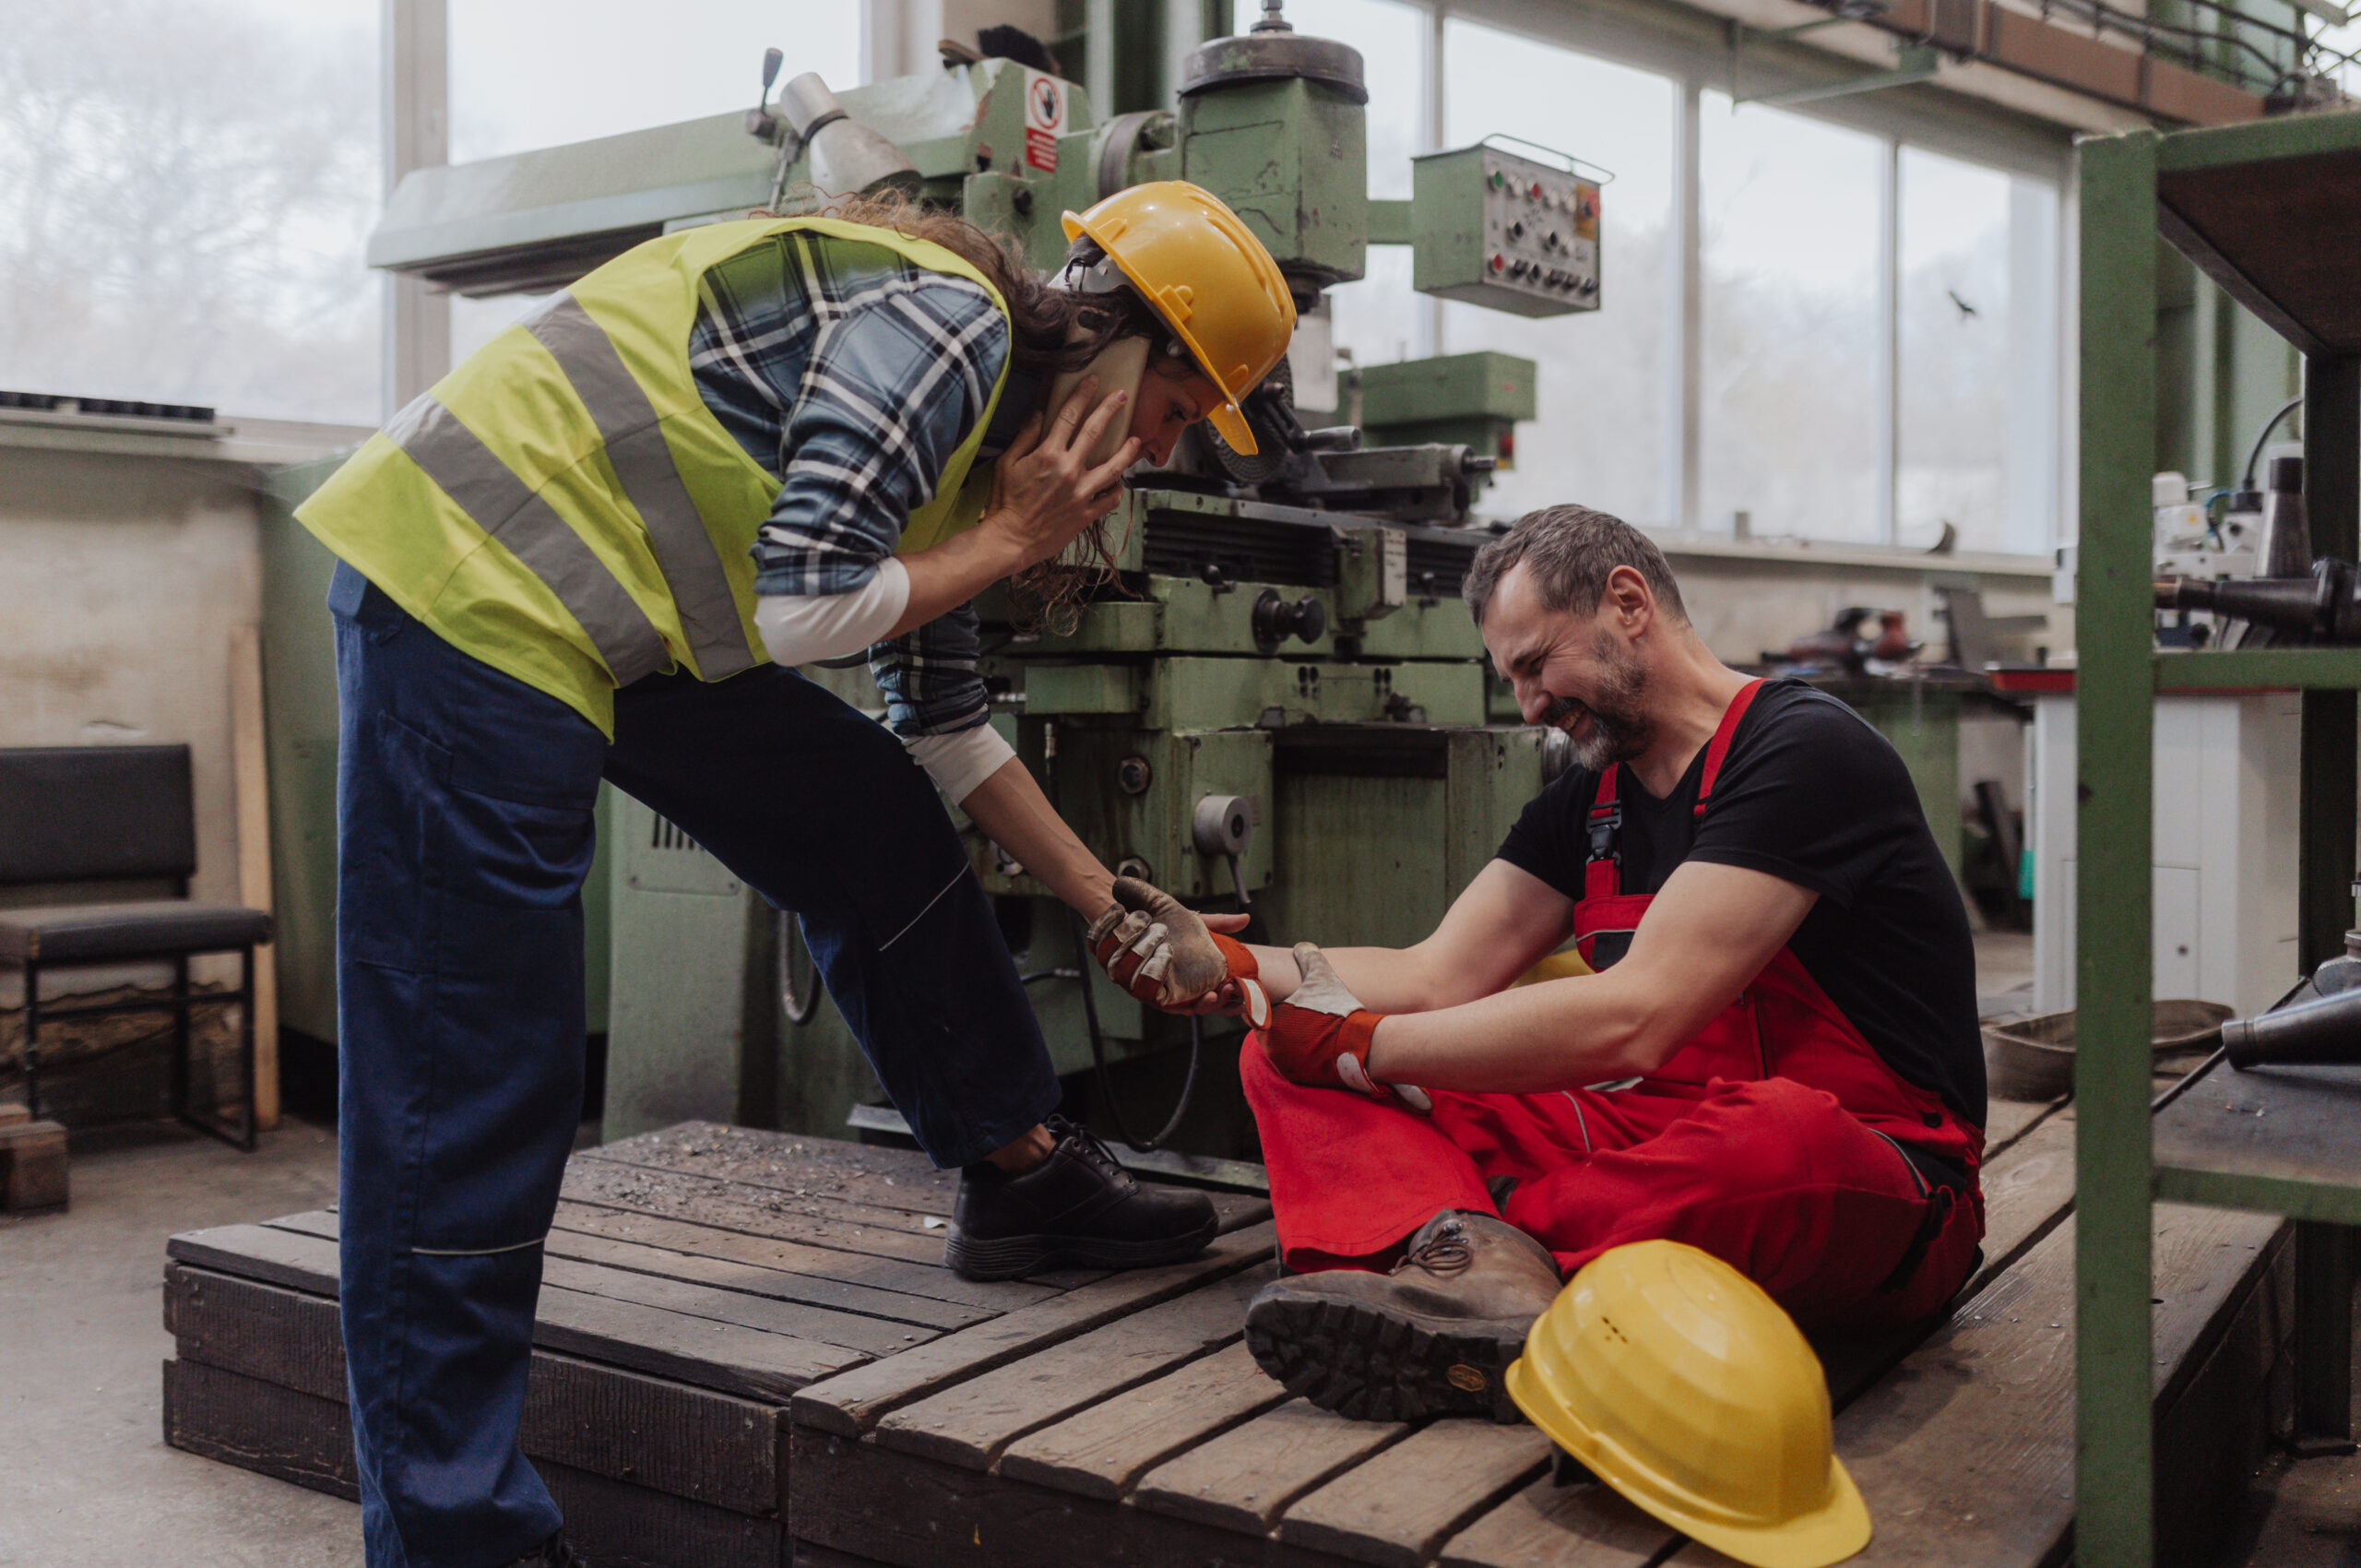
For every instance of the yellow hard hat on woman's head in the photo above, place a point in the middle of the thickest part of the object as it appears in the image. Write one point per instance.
(1209, 279)
(1685, 1388)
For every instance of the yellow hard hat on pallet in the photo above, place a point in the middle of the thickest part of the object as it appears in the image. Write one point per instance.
(1685, 1388)
(1208, 276)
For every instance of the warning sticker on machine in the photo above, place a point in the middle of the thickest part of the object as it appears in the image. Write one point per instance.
(1045, 120)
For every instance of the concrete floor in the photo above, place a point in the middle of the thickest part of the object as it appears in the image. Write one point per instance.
(88, 1481)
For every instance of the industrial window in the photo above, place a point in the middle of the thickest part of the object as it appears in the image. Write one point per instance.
(1791, 210)
(602, 68)
(172, 233)
(1605, 375)
(1874, 351)
(1978, 328)
(529, 74)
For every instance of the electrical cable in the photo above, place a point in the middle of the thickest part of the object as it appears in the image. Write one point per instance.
(1090, 1004)
(2272, 423)
(798, 1012)
(1099, 1063)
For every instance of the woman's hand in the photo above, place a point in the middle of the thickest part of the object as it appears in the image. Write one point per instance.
(1044, 489)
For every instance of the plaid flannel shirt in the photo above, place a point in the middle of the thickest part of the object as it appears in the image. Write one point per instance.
(851, 375)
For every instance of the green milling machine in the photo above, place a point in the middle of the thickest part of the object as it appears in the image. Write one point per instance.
(1281, 706)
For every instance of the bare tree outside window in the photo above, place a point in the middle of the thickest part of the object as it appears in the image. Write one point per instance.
(185, 186)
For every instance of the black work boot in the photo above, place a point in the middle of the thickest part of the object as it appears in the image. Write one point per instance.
(1431, 1339)
(554, 1552)
(1077, 1209)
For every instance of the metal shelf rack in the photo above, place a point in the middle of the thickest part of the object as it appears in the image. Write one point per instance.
(2272, 211)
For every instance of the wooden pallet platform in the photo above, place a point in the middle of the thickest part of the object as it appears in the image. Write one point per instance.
(748, 1352)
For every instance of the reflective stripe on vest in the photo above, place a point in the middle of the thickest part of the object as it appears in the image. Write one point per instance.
(565, 508)
(529, 528)
(627, 424)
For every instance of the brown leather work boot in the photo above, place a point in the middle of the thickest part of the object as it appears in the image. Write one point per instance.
(1431, 1339)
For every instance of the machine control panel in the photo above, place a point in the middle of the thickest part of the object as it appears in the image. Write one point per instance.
(1496, 228)
(1541, 225)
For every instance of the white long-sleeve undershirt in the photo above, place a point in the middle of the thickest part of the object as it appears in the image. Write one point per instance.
(800, 628)
(803, 628)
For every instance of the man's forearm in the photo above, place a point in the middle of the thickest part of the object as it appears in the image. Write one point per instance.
(1388, 980)
(1558, 1035)
(1014, 814)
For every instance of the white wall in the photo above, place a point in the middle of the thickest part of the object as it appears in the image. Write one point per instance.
(123, 573)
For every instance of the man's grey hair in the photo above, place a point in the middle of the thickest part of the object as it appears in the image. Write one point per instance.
(1571, 550)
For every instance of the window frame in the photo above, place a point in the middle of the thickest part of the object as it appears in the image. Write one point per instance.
(1695, 54)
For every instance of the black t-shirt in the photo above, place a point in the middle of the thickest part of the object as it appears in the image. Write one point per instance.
(1810, 794)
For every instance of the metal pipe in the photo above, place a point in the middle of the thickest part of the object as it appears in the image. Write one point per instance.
(2323, 1029)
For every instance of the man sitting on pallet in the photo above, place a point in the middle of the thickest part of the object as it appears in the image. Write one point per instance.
(1776, 1060)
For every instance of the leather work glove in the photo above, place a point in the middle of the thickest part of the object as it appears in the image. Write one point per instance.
(1159, 950)
(1321, 1035)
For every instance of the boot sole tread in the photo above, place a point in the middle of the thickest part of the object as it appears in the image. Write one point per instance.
(1371, 1365)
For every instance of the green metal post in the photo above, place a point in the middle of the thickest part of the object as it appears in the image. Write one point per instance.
(2331, 488)
(2116, 718)
(2324, 1253)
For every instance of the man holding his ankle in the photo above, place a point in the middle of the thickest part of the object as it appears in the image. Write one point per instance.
(1776, 1059)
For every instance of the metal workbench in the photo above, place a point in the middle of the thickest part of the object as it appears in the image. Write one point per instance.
(2272, 211)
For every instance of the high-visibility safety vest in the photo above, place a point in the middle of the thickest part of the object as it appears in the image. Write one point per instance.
(563, 505)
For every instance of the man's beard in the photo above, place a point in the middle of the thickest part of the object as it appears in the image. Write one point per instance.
(1620, 728)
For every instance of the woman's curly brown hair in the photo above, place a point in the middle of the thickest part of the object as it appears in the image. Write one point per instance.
(1050, 329)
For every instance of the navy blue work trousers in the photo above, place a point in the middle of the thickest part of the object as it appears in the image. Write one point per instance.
(464, 806)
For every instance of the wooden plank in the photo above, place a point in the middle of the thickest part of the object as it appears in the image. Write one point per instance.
(1548, 1526)
(284, 1336)
(1966, 1454)
(259, 1426)
(2027, 1192)
(828, 1169)
(250, 783)
(297, 1437)
(851, 1228)
(256, 1252)
(918, 1312)
(966, 1299)
(851, 1404)
(1244, 1477)
(869, 1504)
(802, 1167)
(972, 1422)
(2006, 1120)
(878, 1336)
(1101, 1451)
(619, 1526)
(612, 1239)
(1397, 1508)
(34, 1174)
(729, 1358)
(688, 1442)
(809, 1556)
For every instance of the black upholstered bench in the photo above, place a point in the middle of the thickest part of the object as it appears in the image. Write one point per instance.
(84, 814)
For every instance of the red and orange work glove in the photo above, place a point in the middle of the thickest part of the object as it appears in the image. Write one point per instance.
(1159, 950)
(1320, 1036)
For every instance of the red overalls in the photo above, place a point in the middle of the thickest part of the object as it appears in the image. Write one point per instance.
(1776, 1139)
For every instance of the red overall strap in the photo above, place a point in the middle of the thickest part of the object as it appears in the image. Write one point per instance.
(1716, 748)
(1603, 872)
